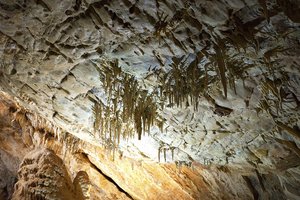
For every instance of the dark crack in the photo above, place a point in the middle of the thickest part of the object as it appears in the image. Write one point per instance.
(107, 177)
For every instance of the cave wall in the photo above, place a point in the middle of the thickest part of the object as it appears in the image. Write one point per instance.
(219, 79)
(50, 167)
(60, 58)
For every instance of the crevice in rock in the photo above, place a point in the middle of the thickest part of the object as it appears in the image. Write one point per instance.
(251, 187)
(223, 85)
(107, 177)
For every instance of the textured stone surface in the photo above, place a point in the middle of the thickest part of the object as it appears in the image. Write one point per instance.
(86, 171)
(12, 148)
(42, 174)
(52, 53)
(57, 58)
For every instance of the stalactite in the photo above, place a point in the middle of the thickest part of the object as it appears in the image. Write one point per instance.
(98, 114)
(178, 165)
(172, 151)
(126, 104)
(158, 154)
(64, 149)
(183, 83)
(132, 164)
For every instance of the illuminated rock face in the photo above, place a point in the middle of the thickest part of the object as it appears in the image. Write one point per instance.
(68, 168)
(42, 175)
(149, 64)
(207, 82)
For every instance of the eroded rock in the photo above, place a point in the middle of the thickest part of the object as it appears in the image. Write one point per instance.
(43, 175)
(221, 79)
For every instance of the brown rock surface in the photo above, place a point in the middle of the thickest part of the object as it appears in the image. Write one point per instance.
(12, 148)
(42, 175)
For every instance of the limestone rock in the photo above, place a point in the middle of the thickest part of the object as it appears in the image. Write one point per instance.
(42, 175)
(48, 174)
(160, 82)
(55, 57)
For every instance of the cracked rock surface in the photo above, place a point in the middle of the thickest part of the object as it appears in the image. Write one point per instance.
(53, 53)
(42, 175)
(67, 168)
(220, 78)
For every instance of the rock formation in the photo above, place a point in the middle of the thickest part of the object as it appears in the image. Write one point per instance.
(150, 99)
(42, 175)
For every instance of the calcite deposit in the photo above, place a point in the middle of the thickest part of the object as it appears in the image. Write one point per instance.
(150, 99)
(68, 168)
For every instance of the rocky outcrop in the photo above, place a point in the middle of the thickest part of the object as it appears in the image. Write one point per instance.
(12, 148)
(42, 175)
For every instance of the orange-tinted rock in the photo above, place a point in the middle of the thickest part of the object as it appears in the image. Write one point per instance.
(43, 175)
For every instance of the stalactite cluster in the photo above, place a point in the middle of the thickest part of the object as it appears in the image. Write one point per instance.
(226, 57)
(186, 81)
(183, 84)
(163, 147)
(128, 111)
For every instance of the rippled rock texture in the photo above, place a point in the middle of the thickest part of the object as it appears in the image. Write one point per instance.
(42, 175)
(192, 75)
(54, 167)
(159, 81)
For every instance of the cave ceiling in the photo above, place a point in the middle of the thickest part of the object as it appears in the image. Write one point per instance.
(171, 81)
